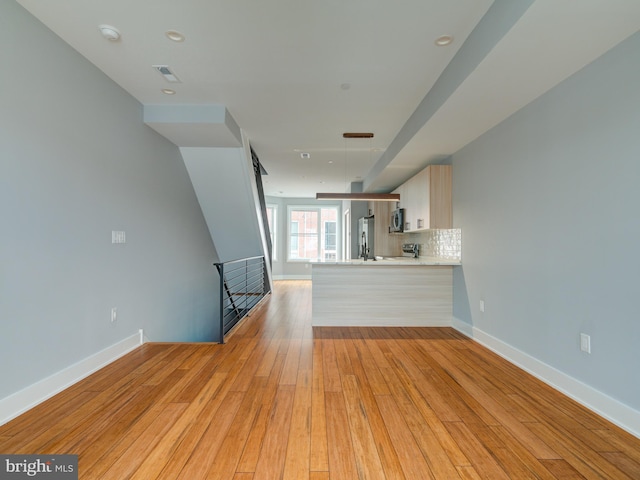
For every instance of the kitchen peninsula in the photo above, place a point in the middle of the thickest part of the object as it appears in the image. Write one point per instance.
(389, 292)
(392, 290)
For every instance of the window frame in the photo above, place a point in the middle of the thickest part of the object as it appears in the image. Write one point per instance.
(273, 230)
(324, 247)
(320, 229)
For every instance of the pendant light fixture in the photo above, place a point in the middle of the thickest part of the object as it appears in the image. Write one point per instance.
(365, 197)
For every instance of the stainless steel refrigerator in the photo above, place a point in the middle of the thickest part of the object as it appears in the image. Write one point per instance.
(366, 238)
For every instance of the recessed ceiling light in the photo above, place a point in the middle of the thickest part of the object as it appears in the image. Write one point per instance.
(110, 33)
(444, 40)
(330, 161)
(168, 91)
(174, 35)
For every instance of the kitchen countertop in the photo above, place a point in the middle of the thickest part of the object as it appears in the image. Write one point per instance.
(389, 261)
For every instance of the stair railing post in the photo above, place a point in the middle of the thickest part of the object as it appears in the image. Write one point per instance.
(221, 271)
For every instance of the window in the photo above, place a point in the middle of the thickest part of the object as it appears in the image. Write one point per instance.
(272, 219)
(313, 233)
(330, 240)
(294, 239)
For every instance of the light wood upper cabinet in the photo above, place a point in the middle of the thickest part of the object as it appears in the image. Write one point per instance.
(440, 197)
(426, 198)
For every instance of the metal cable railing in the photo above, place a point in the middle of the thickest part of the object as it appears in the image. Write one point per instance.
(242, 287)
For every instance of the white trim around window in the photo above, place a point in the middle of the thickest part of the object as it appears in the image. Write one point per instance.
(314, 225)
(272, 217)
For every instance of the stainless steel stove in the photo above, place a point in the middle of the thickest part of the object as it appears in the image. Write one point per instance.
(410, 250)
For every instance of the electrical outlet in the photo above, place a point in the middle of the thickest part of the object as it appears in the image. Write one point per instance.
(482, 306)
(585, 343)
(114, 315)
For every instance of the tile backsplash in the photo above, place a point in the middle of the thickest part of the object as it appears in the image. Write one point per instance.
(441, 243)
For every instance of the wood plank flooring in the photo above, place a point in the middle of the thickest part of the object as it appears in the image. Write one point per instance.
(283, 400)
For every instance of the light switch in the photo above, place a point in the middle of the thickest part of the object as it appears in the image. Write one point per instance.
(585, 343)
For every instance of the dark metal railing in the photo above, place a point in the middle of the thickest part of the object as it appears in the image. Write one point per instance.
(258, 171)
(242, 287)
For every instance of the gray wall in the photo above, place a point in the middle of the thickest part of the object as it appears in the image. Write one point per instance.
(220, 179)
(548, 206)
(76, 163)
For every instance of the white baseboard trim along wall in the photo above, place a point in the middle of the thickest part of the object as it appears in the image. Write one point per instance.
(27, 398)
(616, 412)
(292, 277)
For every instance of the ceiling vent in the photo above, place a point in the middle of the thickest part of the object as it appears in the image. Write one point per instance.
(166, 72)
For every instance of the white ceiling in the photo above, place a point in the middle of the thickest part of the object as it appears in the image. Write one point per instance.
(279, 68)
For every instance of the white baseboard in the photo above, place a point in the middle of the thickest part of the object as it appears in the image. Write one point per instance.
(616, 412)
(462, 327)
(27, 398)
(292, 277)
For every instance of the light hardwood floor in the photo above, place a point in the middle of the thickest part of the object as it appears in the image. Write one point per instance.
(284, 400)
